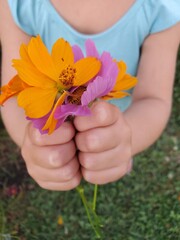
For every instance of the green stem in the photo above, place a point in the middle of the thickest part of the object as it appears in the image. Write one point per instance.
(81, 193)
(95, 197)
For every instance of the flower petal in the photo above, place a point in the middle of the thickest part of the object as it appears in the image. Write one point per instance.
(30, 75)
(71, 110)
(51, 123)
(4, 97)
(122, 69)
(109, 67)
(86, 69)
(78, 54)
(14, 86)
(41, 58)
(28, 72)
(62, 53)
(39, 122)
(127, 82)
(91, 50)
(96, 89)
(37, 102)
(117, 94)
(24, 53)
(124, 81)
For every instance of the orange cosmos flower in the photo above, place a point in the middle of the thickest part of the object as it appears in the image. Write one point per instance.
(50, 76)
(123, 83)
(15, 86)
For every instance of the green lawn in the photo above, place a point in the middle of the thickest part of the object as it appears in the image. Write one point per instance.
(144, 205)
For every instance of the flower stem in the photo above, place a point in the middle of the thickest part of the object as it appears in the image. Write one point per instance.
(95, 197)
(88, 211)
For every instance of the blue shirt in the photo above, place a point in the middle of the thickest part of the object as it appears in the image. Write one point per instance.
(123, 40)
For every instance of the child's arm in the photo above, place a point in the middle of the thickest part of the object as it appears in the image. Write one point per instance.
(153, 95)
(11, 38)
(108, 139)
(51, 160)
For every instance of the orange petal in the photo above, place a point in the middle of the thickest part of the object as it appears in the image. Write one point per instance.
(14, 86)
(112, 95)
(122, 69)
(127, 82)
(86, 68)
(41, 58)
(29, 72)
(51, 122)
(37, 102)
(4, 98)
(30, 75)
(24, 53)
(62, 54)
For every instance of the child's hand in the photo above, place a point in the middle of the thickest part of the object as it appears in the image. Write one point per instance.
(104, 142)
(51, 159)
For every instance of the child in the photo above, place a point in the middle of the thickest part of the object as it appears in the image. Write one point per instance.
(143, 33)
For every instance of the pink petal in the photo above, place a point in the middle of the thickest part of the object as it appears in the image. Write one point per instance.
(96, 89)
(78, 54)
(108, 67)
(91, 50)
(40, 122)
(71, 110)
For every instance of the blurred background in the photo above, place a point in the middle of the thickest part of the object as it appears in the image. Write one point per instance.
(144, 205)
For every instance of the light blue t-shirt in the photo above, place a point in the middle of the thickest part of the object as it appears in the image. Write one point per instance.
(123, 40)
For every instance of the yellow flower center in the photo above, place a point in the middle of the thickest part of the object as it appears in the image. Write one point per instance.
(67, 76)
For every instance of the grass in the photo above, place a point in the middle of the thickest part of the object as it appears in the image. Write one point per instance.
(144, 205)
